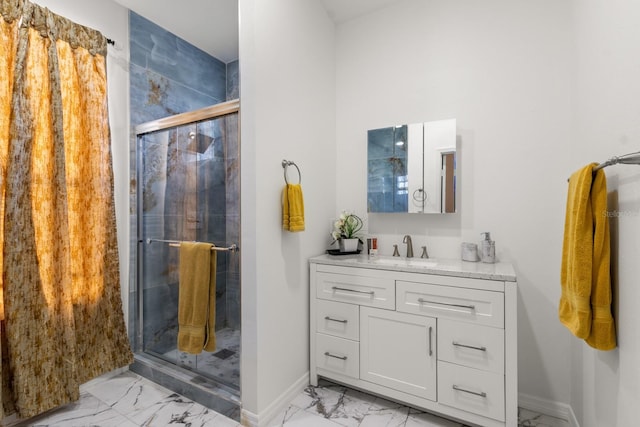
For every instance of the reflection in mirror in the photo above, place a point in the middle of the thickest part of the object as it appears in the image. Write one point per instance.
(412, 168)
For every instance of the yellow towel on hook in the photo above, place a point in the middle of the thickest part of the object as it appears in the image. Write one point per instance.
(292, 208)
(585, 304)
(197, 298)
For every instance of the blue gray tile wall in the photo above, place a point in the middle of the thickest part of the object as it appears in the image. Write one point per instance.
(170, 76)
(233, 80)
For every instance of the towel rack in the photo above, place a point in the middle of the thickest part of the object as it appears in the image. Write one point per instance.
(287, 163)
(176, 243)
(627, 159)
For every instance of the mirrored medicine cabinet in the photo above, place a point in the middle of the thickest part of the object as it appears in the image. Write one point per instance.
(413, 168)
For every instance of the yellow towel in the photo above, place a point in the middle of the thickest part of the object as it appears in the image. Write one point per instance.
(292, 208)
(585, 304)
(197, 298)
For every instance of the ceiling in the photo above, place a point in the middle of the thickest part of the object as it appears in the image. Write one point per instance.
(212, 25)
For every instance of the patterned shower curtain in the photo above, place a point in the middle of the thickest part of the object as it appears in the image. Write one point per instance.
(61, 310)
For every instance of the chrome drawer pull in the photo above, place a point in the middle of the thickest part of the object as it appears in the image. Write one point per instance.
(326, 353)
(457, 344)
(470, 307)
(481, 394)
(335, 288)
(335, 320)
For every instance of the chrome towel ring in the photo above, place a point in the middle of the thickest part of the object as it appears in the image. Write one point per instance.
(285, 165)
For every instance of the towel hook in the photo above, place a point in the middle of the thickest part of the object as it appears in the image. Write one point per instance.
(285, 164)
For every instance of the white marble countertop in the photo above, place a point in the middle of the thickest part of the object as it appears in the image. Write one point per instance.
(445, 267)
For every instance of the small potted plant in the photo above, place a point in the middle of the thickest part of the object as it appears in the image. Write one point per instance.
(345, 230)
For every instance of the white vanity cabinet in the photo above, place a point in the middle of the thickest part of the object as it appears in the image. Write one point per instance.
(440, 336)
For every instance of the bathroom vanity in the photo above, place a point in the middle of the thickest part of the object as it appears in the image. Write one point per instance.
(439, 335)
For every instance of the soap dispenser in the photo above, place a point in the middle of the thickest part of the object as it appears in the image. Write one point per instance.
(487, 248)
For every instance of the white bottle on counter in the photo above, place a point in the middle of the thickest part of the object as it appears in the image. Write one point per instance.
(487, 248)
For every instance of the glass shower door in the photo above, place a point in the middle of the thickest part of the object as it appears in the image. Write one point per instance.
(188, 190)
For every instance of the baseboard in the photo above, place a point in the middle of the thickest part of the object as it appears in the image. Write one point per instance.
(549, 408)
(249, 419)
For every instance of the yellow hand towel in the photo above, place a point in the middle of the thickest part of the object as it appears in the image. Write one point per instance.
(285, 207)
(585, 304)
(196, 297)
(210, 330)
(292, 208)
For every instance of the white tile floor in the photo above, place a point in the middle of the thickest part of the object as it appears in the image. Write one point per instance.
(128, 400)
(334, 405)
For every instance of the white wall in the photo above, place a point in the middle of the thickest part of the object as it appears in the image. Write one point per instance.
(112, 21)
(606, 385)
(287, 93)
(502, 68)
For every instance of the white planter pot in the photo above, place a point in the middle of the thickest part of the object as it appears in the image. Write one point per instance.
(349, 245)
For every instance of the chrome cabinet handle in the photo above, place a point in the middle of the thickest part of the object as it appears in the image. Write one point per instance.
(326, 353)
(430, 347)
(335, 320)
(457, 344)
(470, 307)
(335, 288)
(481, 394)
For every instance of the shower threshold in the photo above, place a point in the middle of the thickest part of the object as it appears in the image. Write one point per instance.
(212, 394)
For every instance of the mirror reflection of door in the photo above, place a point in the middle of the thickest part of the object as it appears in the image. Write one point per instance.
(448, 182)
(439, 141)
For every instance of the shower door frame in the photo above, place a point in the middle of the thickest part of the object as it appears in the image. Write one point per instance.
(191, 117)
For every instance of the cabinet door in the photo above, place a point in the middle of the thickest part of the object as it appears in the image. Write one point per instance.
(398, 350)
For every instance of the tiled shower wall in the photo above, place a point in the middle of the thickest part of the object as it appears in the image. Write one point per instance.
(170, 76)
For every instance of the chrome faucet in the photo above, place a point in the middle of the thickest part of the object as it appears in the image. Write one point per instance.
(407, 240)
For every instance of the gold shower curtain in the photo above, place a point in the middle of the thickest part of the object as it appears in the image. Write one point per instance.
(62, 319)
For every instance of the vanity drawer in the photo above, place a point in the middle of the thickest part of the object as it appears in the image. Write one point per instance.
(338, 319)
(471, 390)
(338, 355)
(445, 302)
(475, 346)
(370, 291)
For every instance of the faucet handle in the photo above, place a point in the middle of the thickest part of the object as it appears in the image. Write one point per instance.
(395, 250)
(424, 252)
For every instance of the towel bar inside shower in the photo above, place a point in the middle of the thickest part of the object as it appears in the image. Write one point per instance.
(176, 243)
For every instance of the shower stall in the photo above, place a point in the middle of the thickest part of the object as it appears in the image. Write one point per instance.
(188, 189)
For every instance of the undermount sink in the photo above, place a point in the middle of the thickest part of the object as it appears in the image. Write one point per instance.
(408, 262)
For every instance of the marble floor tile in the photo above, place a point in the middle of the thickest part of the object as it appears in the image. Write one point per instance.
(175, 409)
(339, 406)
(87, 411)
(387, 413)
(294, 416)
(528, 418)
(128, 393)
(128, 400)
